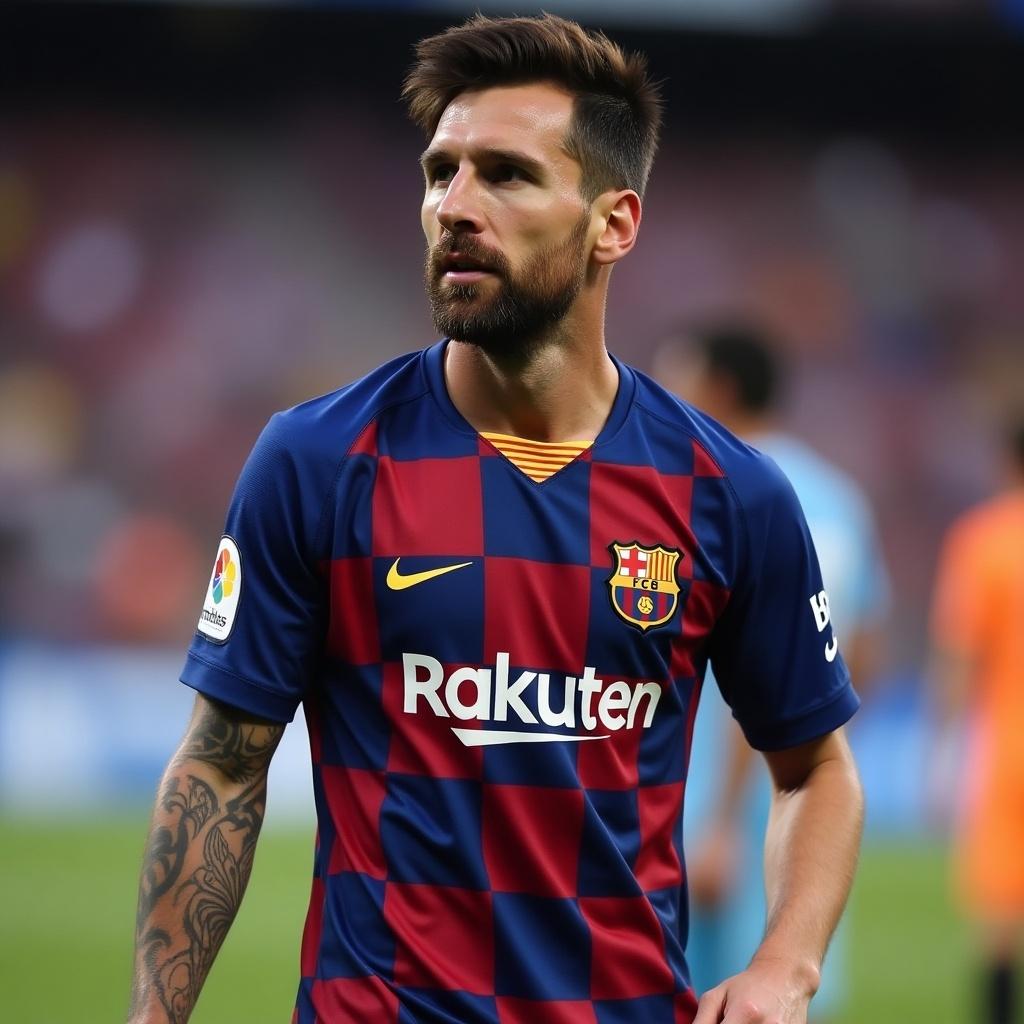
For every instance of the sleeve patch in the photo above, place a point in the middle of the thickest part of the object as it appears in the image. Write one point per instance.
(221, 605)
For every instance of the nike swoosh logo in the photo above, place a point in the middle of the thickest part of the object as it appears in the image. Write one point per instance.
(396, 581)
(831, 649)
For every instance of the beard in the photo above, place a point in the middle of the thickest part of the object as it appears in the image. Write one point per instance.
(511, 323)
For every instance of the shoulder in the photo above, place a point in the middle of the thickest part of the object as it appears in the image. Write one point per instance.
(330, 425)
(829, 495)
(753, 477)
(298, 460)
(802, 462)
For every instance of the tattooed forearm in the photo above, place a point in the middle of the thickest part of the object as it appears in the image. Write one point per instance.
(207, 900)
(187, 811)
(237, 748)
(198, 859)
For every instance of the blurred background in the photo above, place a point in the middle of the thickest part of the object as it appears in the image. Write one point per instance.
(210, 212)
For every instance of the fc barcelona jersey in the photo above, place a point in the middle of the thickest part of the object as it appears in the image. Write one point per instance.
(500, 678)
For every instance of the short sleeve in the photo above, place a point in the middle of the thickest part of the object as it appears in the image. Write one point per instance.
(261, 629)
(773, 652)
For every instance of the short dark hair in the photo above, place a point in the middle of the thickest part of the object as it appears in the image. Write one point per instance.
(747, 356)
(616, 110)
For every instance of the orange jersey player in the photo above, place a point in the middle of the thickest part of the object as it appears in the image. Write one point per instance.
(978, 638)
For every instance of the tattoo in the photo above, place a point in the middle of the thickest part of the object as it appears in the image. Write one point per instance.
(185, 908)
(239, 749)
(168, 844)
(211, 896)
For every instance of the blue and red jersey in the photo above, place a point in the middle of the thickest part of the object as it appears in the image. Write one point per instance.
(500, 679)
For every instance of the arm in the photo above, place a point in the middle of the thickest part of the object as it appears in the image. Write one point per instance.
(208, 815)
(712, 865)
(810, 855)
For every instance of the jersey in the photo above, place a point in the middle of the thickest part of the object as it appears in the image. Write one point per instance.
(500, 679)
(978, 613)
(846, 540)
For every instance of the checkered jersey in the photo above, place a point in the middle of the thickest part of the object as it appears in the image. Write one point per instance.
(500, 678)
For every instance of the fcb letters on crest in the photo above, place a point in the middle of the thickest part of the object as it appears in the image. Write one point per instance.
(643, 585)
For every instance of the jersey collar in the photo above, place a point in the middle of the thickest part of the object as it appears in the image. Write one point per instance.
(433, 369)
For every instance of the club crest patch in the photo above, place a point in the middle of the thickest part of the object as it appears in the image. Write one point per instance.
(218, 614)
(643, 584)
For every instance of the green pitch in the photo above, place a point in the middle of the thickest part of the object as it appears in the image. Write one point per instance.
(67, 903)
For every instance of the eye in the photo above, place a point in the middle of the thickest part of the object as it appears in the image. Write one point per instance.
(440, 174)
(508, 172)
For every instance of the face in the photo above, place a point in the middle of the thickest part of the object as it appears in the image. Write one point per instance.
(506, 225)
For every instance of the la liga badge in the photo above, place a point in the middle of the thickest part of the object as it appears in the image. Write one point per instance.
(643, 584)
(218, 615)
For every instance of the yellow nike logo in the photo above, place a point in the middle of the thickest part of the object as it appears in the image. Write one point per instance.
(396, 581)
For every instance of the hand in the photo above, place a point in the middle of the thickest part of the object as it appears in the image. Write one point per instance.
(711, 867)
(767, 992)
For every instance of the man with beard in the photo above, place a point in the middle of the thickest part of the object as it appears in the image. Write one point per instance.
(493, 572)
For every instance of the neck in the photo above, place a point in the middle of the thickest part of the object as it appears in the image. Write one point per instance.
(564, 391)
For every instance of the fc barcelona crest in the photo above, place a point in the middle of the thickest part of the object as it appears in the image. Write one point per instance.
(643, 584)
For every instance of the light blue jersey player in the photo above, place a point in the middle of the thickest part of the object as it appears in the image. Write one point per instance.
(733, 373)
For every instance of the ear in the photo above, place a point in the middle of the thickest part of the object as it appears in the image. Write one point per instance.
(617, 214)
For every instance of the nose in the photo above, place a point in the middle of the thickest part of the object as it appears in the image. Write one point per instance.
(459, 210)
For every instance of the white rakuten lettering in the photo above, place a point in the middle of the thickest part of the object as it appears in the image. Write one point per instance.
(505, 695)
(589, 685)
(567, 716)
(616, 698)
(653, 693)
(415, 687)
(479, 694)
(480, 678)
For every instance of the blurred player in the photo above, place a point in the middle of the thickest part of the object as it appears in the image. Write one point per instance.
(736, 373)
(978, 643)
(493, 572)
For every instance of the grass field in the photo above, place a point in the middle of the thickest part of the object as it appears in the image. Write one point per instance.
(67, 897)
